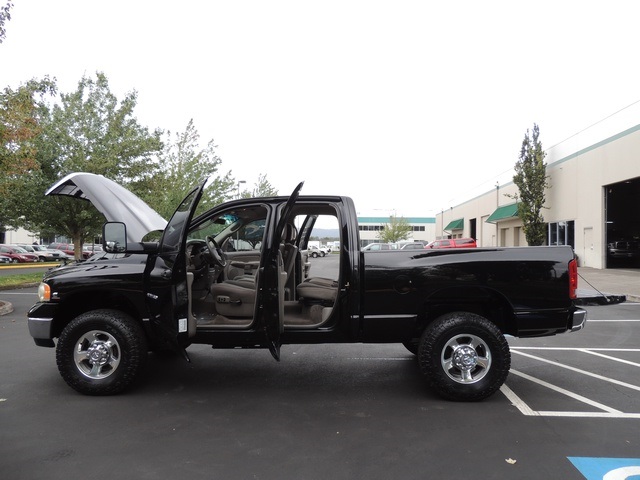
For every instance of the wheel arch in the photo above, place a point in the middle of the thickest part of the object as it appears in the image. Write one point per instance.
(84, 301)
(486, 302)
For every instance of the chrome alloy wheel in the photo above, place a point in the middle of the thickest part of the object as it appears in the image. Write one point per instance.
(466, 358)
(97, 354)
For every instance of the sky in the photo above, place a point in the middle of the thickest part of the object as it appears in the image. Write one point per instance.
(408, 107)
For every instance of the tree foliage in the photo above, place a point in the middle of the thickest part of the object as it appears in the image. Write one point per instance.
(262, 188)
(20, 125)
(532, 180)
(5, 16)
(20, 120)
(397, 229)
(87, 130)
(90, 130)
(182, 164)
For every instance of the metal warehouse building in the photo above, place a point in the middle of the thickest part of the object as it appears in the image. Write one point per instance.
(592, 203)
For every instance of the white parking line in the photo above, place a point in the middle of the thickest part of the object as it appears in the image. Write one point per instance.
(566, 392)
(612, 321)
(607, 412)
(583, 372)
(608, 357)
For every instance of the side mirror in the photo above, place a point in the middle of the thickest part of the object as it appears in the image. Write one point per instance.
(114, 237)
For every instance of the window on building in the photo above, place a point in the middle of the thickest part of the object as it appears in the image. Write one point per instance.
(562, 233)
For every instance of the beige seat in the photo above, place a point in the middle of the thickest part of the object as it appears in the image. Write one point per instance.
(235, 298)
(288, 249)
(318, 290)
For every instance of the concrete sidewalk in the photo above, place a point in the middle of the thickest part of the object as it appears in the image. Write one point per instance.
(614, 281)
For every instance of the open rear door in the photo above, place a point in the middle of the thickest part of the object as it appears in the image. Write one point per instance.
(272, 281)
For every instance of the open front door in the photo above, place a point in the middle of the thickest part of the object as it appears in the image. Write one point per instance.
(272, 281)
(167, 288)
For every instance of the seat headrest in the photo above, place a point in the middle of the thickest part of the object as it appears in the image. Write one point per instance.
(290, 233)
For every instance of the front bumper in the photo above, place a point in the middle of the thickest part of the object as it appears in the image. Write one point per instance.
(40, 322)
(578, 320)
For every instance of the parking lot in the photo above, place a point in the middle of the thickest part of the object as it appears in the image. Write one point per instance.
(570, 409)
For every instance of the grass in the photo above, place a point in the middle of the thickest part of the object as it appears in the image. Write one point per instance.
(20, 280)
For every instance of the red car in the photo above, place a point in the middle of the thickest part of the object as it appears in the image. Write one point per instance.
(453, 243)
(18, 254)
(68, 249)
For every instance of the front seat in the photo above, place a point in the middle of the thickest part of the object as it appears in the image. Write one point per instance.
(235, 298)
(288, 249)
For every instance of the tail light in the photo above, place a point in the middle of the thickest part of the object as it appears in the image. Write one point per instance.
(573, 279)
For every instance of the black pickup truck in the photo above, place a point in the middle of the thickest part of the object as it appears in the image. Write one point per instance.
(238, 276)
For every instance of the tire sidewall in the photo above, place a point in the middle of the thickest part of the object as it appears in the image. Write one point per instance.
(131, 341)
(440, 332)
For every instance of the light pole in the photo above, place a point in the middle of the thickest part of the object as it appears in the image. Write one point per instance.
(239, 182)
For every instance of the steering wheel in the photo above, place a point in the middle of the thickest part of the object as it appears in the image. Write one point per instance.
(215, 252)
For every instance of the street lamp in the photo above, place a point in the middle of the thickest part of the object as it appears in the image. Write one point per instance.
(239, 182)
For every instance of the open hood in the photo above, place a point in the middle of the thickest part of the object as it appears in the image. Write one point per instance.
(115, 202)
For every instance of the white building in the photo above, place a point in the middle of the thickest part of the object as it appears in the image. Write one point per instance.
(593, 201)
(17, 236)
(422, 229)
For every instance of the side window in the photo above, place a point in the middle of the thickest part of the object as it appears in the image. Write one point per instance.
(173, 232)
(238, 230)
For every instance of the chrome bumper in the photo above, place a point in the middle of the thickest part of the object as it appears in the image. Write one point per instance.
(579, 319)
(40, 329)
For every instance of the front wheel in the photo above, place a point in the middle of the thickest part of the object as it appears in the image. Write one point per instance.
(464, 357)
(101, 352)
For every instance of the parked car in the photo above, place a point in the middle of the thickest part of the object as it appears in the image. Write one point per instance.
(376, 247)
(68, 249)
(623, 253)
(4, 259)
(453, 243)
(316, 252)
(413, 246)
(18, 254)
(46, 255)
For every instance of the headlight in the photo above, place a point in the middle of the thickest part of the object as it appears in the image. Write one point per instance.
(44, 292)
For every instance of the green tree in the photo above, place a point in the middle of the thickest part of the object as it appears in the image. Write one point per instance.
(19, 129)
(5, 16)
(87, 130)
(397, 229)
(532, 180)
(20, 125)
(262, 188)
(182, 164)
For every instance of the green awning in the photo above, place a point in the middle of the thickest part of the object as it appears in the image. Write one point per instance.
(455, 225)
(503, 213)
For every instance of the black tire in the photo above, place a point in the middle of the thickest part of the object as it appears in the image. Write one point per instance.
(464, 357)
(314, 255)
(101, 352)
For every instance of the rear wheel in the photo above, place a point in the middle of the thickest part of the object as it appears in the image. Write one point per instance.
(101, 352)
(464, 357)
